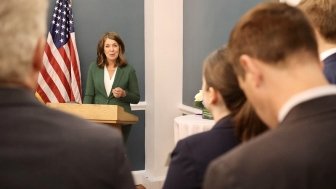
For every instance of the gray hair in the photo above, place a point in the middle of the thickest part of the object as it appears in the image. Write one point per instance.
(22, 24)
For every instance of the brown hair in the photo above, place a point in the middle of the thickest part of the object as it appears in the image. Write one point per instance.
(218, 74)
(272, 32)
(101, 58)
(322, 14)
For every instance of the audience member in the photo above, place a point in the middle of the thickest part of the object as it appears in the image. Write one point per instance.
(41, 147)
(322, 14)
(227, 102)
(274, 54)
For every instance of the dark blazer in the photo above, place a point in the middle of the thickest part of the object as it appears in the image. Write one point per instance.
(299, 154)
(125, 78)
(330, 68)
(192, 155)
(45, 148)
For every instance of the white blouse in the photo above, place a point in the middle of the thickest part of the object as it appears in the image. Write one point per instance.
(108, 82)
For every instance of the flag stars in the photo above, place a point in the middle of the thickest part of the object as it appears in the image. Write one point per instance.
(62, 22)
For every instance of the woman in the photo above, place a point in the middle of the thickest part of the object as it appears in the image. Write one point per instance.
(111, 80)
(227, 103)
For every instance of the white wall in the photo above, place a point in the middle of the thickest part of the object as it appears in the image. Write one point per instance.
(163, 83)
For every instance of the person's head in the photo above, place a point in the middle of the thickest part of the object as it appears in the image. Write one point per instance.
(22, 34)
(322, 14)
(271, 48)
(221, 92)
(111, 48)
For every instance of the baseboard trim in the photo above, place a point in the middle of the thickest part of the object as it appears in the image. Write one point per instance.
(141, 177)
(138, 176)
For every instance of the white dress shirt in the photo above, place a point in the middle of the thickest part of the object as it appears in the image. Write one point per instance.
(327, 53)
(108, 82)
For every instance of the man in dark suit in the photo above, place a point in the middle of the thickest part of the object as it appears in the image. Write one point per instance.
(322, 14)
(40, 147)
(274, 53)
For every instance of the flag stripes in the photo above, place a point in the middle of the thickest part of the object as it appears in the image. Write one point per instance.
(60, 79)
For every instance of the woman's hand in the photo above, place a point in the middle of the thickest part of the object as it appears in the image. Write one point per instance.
(118, 92)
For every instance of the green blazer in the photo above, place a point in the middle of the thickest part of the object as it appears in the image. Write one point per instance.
(125, 78)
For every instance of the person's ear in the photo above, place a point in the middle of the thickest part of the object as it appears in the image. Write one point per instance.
(251, 69)
(213, 95)
(38, 54)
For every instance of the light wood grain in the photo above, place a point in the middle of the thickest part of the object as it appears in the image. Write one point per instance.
(109, 114)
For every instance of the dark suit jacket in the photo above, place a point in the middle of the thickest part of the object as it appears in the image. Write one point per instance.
(299, 154)
(330, 68)
(125, 78)
(45, 148)
(192, 155)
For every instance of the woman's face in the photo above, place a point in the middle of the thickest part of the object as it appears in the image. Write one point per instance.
(111, 49)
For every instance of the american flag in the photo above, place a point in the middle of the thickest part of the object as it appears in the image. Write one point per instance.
(60, 79)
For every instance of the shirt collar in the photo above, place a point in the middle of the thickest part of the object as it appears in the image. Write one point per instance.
(305, 96)
(327, 53)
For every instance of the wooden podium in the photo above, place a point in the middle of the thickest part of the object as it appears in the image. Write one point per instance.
(109, 114)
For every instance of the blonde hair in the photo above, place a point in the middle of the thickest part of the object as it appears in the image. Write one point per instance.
(22, 24)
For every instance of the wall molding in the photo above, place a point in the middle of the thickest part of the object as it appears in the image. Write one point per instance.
(140, 106)
(189, 110)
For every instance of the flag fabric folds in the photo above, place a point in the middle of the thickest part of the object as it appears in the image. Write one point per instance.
(60, 78)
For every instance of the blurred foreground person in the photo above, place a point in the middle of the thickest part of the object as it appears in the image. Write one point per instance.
(322, 14)
(231, 111)
(41, 147)
(274, 53)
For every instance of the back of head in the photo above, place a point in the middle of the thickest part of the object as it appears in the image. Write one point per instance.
(272, 32)
(218, 74)
(22, 24)
(322, 14)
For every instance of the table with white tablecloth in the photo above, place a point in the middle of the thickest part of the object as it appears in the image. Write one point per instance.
(190, 124)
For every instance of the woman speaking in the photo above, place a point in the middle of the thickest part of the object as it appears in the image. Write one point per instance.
(111, 80)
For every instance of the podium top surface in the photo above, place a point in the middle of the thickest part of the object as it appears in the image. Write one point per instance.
(100, 113)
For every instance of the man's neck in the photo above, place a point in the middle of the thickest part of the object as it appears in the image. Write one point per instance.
(294, 81)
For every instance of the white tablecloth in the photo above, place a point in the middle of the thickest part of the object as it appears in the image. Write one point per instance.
(190, 124)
